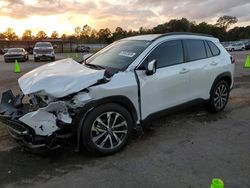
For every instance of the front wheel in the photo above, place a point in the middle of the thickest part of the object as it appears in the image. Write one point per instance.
(107, 129)
(219, 96)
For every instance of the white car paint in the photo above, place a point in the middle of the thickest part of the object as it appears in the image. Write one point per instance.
(168, 87)
(59, 79)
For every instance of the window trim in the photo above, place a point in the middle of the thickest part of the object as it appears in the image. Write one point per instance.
(146, 56)
(207, 49)
(211, 49)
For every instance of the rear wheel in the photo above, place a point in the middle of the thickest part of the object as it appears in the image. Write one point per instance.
(36, 59)
(219, 96)
(107, 129)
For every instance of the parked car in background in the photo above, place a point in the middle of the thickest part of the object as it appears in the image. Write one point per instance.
(82, 48)
(235, 47)
(117, 90)
(43, 51)
(29, 50)
(247, 46)
(5, 50)
(13, 54)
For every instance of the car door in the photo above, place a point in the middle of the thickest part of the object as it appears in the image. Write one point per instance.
(169, 85)
(202, 65)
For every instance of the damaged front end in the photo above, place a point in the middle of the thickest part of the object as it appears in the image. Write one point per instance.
(36, 125)
(42, 117)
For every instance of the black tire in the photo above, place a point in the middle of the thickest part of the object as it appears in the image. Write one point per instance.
(53, 59)
(27, 58)
(218, 100)
(36, 59)
(91, 125)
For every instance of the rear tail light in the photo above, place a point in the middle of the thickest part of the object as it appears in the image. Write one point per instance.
(232, 60)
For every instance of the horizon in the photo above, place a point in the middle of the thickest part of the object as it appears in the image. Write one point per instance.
(64, 15)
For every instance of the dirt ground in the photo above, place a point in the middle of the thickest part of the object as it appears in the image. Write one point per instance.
(185, 149)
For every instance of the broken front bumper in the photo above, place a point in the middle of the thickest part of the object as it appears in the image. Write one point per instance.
(11, 109)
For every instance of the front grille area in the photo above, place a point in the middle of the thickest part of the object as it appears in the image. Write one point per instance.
(43, 51)
(13, 55)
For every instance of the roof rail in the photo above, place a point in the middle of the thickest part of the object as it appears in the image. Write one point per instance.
(182, 33)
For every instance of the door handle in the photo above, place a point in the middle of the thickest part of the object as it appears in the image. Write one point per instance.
(184, 70)
(214, 63)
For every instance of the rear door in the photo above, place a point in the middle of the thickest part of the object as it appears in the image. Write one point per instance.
(202, 65)
(169, 86)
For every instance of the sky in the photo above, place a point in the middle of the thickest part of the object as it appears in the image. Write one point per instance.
(64, 15)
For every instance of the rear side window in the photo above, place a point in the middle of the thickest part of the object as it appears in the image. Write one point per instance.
(215, 50)
(167, 54)
(195, 49)
(209, 53)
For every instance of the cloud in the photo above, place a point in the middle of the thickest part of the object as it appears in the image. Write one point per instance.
(127, 13)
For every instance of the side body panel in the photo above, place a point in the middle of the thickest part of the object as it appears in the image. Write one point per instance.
(121, 84)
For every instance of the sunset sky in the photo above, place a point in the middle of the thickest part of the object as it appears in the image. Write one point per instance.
(65, 15)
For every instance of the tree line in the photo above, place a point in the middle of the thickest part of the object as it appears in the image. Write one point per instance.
(86, 34)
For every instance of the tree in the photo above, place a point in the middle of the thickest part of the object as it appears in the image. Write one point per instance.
(119, 33)
(10, 34)
(41, 35)
(182, 25)
(64, 36)
(27, 35)
(77, 32)
(104, 35)
(226, 21)
(86, 31)
(2, 36)
(54, 35)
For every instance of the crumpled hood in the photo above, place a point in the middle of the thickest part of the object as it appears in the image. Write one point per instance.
(60, 78)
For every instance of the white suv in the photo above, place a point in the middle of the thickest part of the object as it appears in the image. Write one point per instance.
(117, 90)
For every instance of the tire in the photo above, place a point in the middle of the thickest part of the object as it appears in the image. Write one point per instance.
(232, 50)
(98, 136)
(36, 59)
(53, 59)
(219, 96)
(27, 58)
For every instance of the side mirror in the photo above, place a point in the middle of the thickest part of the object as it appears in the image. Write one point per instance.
(151, 69)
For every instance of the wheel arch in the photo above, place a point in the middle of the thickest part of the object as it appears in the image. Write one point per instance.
(82, 113)
(121, 100)
(227, 76)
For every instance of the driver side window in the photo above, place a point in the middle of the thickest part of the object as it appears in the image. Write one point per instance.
(166, 54)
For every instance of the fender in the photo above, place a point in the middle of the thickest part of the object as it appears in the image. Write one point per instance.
(226, 76)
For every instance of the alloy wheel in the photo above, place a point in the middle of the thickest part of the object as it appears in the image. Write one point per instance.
(109, 130)
(221, 96)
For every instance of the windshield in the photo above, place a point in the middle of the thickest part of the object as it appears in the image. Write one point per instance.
(118, 55)
(15, 50)
(43, 45)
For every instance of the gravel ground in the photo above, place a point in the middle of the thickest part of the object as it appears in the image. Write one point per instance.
(186, 149)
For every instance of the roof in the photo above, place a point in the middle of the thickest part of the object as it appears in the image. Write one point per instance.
(153, 37)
